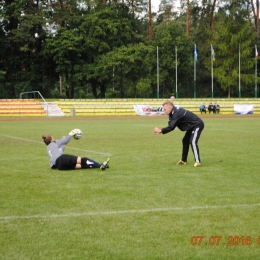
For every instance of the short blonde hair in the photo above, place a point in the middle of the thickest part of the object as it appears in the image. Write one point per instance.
(168, 103)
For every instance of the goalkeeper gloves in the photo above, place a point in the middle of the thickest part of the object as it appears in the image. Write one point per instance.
(72, 132)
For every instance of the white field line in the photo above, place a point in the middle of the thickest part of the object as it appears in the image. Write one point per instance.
(119, 212)
(68, 147)
(232, 130)
(21, 158)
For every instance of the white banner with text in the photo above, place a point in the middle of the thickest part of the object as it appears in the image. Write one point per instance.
(147, 110)
(243, 109)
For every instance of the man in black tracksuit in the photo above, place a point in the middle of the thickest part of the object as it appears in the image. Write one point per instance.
(185, 121)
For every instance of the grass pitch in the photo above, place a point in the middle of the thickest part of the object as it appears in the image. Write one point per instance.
(144, 206)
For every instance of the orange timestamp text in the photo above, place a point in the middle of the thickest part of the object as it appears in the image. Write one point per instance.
(229, 241)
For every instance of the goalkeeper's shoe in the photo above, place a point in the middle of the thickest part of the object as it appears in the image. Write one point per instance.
(197, 164)
(180, 162)
(105, 165)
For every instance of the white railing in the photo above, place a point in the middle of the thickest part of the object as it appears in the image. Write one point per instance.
(46, 104)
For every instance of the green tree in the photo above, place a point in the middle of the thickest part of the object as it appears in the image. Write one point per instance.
(166, 12)
(104, 30)
(168, 36)
(67, 50)
(233, 37)
(129, 68)
(26, 25)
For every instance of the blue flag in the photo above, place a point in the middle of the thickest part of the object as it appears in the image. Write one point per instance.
(212, 53)
(195, 53)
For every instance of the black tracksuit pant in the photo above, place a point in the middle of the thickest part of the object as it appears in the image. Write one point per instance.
(191, 137)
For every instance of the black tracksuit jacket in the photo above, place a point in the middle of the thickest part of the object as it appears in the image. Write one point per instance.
(183, 119)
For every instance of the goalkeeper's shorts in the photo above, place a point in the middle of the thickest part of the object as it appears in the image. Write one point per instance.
(66, 162)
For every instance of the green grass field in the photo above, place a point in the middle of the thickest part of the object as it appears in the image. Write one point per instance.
(142, 207)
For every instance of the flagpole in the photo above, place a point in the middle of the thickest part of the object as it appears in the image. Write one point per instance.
(256, 56)
(239, 92)
(157, 73)
(212, 93)
(176, 59)
(195, 59)
(194, 79)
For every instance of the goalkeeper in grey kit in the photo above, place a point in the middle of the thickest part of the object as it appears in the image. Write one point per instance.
(185, 121)
(61, 161)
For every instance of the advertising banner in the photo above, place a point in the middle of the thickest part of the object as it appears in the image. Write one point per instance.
(147, 110)
(243, 109)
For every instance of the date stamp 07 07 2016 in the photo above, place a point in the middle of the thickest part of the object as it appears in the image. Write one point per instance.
(218, 240)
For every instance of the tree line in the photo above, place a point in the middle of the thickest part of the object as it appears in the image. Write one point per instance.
(118, 49)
